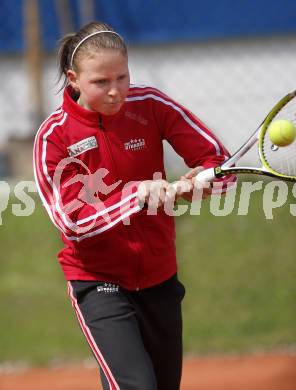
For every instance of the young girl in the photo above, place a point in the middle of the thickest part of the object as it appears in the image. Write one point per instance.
(98, 162)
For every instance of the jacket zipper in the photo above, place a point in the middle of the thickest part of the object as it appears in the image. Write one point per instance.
(101, 126)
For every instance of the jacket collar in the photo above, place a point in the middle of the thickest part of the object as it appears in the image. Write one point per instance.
(90, 118)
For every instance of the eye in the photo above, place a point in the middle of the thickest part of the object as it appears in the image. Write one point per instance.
(122, 77)
(101, 82)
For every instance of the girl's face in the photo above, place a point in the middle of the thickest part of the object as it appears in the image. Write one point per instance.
(102, 80)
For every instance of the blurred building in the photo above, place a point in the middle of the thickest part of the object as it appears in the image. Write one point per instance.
(228, 61)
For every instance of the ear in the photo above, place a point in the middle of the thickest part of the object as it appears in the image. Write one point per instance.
(73, 79)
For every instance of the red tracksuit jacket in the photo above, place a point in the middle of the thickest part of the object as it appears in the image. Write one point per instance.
(88, 168)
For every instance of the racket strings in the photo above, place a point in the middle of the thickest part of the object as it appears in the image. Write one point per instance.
(282, 159)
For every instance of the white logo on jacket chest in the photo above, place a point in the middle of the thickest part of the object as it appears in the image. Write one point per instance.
(82, 146)
(135, 144)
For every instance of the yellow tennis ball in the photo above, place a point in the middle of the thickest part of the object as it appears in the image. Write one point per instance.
(282, 132)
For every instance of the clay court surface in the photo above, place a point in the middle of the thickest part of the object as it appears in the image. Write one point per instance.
(269, 372)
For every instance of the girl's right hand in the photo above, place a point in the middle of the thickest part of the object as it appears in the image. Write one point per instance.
(153, 193)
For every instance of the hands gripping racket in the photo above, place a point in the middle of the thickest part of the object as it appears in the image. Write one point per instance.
(279, 162)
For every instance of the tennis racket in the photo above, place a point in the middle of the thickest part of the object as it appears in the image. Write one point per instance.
(279, 162)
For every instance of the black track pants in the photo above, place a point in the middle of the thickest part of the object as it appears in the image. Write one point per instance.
(136, 337)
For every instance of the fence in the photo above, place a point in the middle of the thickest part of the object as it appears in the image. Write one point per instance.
(230, 83)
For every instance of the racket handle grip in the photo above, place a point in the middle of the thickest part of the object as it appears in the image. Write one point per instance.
(208, 175)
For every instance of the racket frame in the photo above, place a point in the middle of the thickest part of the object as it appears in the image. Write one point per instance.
(228, 168)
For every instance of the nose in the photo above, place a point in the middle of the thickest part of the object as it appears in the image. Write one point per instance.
(113, 91)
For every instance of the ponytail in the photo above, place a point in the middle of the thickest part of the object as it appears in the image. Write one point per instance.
(64, 56)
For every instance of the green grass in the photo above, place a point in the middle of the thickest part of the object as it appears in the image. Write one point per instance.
(239, 272)
(37, 321)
